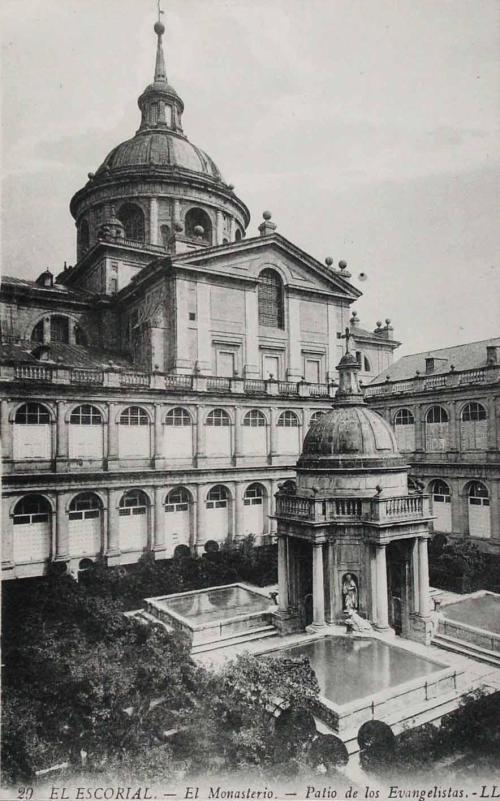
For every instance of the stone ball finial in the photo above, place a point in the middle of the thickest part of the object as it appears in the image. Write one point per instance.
(178, 227)
(159, 28)
(267, 215)
(91, 175)
(230, 187)
(379, 323)
(328, 261)
(199, 230)
(342, 264)
(387, 321)
(354, 313)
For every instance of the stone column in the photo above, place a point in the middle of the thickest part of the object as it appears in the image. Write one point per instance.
(252, 366)
(200, 452)
(318, 586)
(382, 600)
(62, 528)
(201, 524)
(373, 585)
(294, 371)
(158, 450)
(219, 227)
(423, 578)
(113, 454)
(113, 535)
(61, 437)
(153, 221)
(158, 523)
(330, 587)
(6, 430)
(282, 574)
(415, 591)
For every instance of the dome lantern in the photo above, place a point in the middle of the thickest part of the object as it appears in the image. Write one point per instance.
(160, 105)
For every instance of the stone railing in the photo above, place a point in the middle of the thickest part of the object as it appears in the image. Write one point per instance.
(379, 510)
(485, 375)
(119, 377)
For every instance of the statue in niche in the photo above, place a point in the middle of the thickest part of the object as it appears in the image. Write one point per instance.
(349, 593)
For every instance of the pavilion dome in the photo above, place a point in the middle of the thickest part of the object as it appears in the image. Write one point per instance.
(350, 431)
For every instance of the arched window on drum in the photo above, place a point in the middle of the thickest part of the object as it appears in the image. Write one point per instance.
(85, 525)
(478, 503)
(217, 513)
(177, 519)
(218, 433)
(254, 433)
(86, 433)
(404, 428)
(254, 511)
(271, 300)
(32, 534)
(436, 429)
(132, 218)
(134, 434)
(441, 506)
(178, 434)
(133, 517)
(32, 432)
(473, 427)
(288, 433)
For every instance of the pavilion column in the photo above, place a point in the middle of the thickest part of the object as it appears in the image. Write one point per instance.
(282, 574)
(423, 578)
(415, 588)
(331, 577)
(318, 586)
(381, 582)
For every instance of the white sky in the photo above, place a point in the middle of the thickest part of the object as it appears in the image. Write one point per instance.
(370, 128)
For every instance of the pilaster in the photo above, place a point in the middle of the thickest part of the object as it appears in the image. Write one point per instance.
(294, 371)
(113, 535)
(112, 459)
(62, 528)
(204, 344)
(61, 437)
(153, 221)
(200, 453)
(201, 520)
(382, 622)
(6, 430)
(251, 369)
(158, 433)
(318, 588)
(158, 524)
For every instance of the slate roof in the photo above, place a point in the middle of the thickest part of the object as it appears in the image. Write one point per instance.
(470, 356)
(62, 354)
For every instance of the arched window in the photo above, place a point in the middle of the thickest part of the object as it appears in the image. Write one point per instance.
(288, 419)
(270, 299)
(316, 415)
(32, 537)
(31, 509)
(165, 234)
(217, 497)
(238, 235)
(33, 414)
(178, 500)
(59, 329)
(441, 491)
(473, 412)
(134, 416)
(134, 502)
(366, 364)
(195, 217)
(441, 506)
(254, 418)
(436, 414)
(37, 333)
(177, 417)
(478, 491)
(86, 415)
(85, 506)
(404, 417)
(479, 510)
(132, 218)
(83, 237)
(254, 495)
(473, 427)
(218, 417)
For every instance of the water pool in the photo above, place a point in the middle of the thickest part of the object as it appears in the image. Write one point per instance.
(348, 669)
(482, 612)
(218, 604)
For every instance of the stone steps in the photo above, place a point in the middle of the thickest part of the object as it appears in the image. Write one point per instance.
(463, 648)
(235, 639)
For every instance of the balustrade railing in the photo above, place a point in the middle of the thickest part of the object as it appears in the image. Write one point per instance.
(319, 390)
(33, 372)
(405, 507)
(178, 381)
(255, 385)
(453, 378)
(219, 383)
(288, 388)
(134, 379)
(82, 375)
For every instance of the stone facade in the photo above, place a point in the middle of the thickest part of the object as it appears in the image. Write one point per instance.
(445, 410)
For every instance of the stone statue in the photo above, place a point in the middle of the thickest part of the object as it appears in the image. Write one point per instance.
(355, 622)
(349, 593)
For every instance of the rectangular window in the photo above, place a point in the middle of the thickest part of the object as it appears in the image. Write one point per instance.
(225, 363)
(271, 367)
(312, 371)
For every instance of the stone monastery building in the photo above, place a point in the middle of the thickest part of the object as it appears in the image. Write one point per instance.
(155, 394)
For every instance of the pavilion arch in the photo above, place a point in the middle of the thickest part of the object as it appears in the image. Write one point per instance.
(478, 496)
(197, 216)
(98, 493)
(177, 416)
(133, 219)
(218, 513)
(130, 412)
(95, 404)
(230, 495)
(15, 501)
(86, 429)
(45, 405)
(178, 433)
(255, 418)
(218, 417)
(178, 488)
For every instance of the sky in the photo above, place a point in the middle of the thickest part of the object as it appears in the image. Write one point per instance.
(370, 129)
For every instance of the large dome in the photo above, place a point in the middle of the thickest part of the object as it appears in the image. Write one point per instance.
(160, 149)
(349, 436)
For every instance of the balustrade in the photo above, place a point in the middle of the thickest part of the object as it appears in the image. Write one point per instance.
(370, 509)
(134, 379)
(86, 376)
(32, 372)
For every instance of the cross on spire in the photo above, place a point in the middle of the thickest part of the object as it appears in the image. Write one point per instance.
(347, 336)
(160, 12)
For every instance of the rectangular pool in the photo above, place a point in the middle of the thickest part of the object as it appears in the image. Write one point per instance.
(483, 612)
(217, 604)
(349, 669)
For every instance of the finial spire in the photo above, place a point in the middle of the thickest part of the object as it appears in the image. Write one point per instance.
(159, 28)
